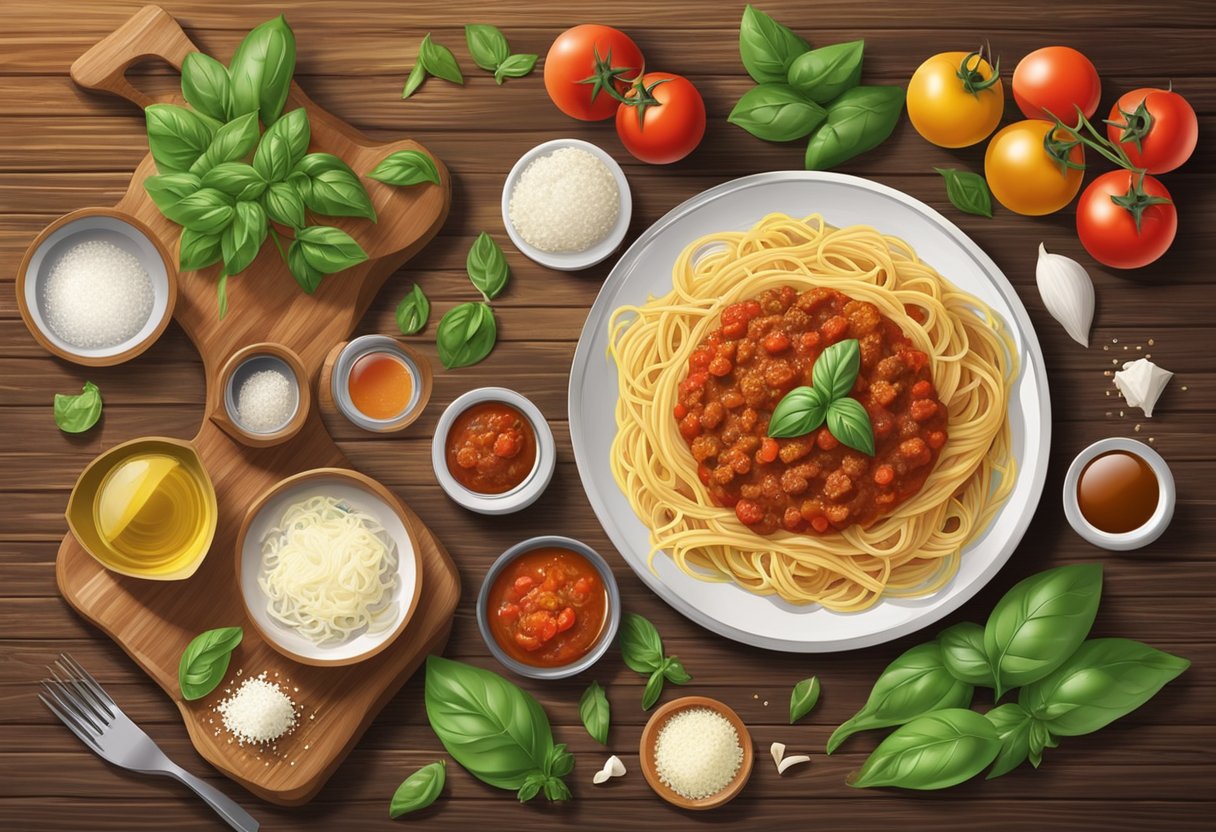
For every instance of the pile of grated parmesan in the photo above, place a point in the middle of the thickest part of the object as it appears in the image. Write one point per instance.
(265, 402)
(566, 201)
(97, 295)
(697, 753)
(259, 712)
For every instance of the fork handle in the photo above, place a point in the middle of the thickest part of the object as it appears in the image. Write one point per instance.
(223, 805)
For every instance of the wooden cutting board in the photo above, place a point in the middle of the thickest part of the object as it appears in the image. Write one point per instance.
(153, 621)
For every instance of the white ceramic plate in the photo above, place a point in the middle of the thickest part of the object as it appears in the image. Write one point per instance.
(645, 269)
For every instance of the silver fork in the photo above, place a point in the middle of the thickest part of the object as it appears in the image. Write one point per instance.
(74, 696)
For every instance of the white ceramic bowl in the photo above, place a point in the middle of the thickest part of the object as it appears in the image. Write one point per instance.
(126, 233)
(1156, 524)
(362, 493)
(522, 495)
(575, 260)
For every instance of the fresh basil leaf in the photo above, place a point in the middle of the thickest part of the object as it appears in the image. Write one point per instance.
(413, 312)
(915, 684)
(419, 790)
(406, 167)
(176, 136)
(515, 66)
(206, 86)
(199, 251)
(641, 646)
(859, 120)
(968, 192)
(295, 131)
(261, 70)
(439, 61)
(674, 672)
(1105, 679)
(594, 711)
(803, 698)
(235, 140)
(556, 789)
(487, 45)
(76, 414)
(237, 179)
(776, 113)
(559, 762)
(652, 691)
(168, 189)
(243, 238)
(329, 250)
(497, 731)
(1040, 622)
(823, 74)
(206, 211)
(414, 81)
(466, 335)
(1040, 739)
(849, 422)
(272, 160)
(766, 47)
(334, 189)
(205, 661)
(1013, 726)
(963, 654)
(487, 266)
(284, 205)
(935, 751)
(308, 277)
(529, 790)
(835, 370)
(798, 413)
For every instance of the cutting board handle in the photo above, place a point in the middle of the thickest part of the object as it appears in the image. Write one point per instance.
(149, 33)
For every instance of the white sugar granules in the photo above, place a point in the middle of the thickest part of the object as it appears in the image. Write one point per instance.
(265, 402)
(97, 295)
(566, 201)
(259, 712)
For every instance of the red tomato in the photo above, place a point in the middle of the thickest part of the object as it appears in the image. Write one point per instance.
(585, 65)
(668, 129)
(1106, 219)
(1056, 79)
(1157, 128)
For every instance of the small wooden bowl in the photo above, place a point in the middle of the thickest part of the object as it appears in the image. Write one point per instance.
(650, 737)
(97, 223)
(417, 364)
(224, 416)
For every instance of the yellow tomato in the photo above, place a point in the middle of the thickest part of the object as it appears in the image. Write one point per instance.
(1022, 174)
(955, 99)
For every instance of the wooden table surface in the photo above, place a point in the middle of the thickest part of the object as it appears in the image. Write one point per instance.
(62, 149)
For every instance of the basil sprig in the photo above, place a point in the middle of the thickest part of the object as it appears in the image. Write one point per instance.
(433, 59)
(205, 661)
(594, 711)
(419, 790)
(967, 191)
(803, 698)
(642, 650)
(413, 311)
(491, 52)
(935, 751)
(466, 334)
(76, 414)
(804, 409)
(497, 731)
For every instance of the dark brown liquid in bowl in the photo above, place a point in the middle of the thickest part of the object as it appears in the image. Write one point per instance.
(1118, 492)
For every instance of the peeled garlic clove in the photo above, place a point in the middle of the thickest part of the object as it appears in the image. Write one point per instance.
(777, 749)
(792, 760)
(614, 766)
(1067, 292)
(1142, 382)
(600, 777)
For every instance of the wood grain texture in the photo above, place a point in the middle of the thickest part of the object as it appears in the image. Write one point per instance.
(1151, 770)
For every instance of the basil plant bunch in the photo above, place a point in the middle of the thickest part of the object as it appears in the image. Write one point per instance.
(232, 163)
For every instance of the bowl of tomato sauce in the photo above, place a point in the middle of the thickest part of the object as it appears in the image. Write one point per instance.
(549, 607)
(493, 451)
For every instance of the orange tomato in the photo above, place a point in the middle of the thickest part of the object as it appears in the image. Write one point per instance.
(1023, 176)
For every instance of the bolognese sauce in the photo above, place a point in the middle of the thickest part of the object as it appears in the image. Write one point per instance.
(764, 348)
(491, 448)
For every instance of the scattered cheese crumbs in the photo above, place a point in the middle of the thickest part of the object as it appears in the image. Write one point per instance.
(1141, 382)
(613, 767)
(792, 760)
(777, 749)
(565, 201)
(259, 711)
(697, 753)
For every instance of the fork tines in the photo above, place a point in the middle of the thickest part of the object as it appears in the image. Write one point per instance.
(78, 700)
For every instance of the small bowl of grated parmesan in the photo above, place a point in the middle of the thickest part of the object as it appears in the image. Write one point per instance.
(265, 398)
(96, 287)
(566, 204)
(696, 753)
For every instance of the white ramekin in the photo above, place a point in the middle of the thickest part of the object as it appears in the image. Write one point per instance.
(1136, 538)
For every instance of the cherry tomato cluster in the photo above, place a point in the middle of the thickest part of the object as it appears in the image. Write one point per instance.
(595, 72)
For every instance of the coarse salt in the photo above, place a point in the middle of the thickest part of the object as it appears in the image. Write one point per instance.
(697, 753)
(565, 201)
(97, 295)
(265, 402)
(259, 712)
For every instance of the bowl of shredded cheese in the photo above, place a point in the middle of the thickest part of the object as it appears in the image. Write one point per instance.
(566, 204)
(96, 287)
(696, 753)
(329, 568)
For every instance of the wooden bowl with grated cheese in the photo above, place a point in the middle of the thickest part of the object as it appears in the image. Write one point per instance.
(696, 752)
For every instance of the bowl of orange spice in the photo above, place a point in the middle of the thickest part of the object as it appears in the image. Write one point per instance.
(549, 607)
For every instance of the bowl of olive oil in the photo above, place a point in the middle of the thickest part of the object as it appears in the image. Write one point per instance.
(145, 508)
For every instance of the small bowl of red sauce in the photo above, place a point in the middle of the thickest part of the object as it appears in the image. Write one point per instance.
(493, 452)
(1119, 494)
(549, 607)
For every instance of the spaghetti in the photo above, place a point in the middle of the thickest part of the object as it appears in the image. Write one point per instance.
(912, 550)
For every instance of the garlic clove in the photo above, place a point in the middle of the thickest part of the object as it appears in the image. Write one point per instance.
(777, 749)
(1067, 292)
(792, 760)
(614, 766)
(600, 777)
(1142, 382)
